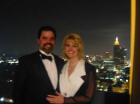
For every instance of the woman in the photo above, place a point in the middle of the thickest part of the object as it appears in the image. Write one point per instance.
(77, 79)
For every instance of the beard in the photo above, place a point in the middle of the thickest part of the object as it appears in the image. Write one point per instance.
(48, 47)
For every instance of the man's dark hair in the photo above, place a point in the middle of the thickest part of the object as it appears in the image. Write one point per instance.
(46, 28)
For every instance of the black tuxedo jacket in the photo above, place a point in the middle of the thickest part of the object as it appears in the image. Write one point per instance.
(32, 83)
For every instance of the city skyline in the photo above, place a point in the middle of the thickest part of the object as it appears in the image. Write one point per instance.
(116, 41)
(98, 23)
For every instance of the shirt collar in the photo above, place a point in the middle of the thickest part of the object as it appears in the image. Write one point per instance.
(41, 51)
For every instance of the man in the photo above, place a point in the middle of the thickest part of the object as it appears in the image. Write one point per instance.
(37, 73)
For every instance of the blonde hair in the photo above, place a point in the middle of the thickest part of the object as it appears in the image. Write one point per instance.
(78, 39)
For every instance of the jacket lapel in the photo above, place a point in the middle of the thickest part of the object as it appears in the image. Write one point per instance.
(59, 64)
(44, 75)
(70, 85)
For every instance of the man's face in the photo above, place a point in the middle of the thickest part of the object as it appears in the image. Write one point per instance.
(47, 41)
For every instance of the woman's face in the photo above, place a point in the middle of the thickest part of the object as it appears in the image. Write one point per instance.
(71, 49)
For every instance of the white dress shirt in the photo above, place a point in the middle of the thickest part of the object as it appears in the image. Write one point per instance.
(51, 69)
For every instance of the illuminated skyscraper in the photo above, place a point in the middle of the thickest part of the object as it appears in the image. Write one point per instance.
(117, 51)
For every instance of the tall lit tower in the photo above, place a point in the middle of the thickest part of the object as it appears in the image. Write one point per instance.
(116, 51)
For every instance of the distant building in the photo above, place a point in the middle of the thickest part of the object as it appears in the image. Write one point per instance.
(116, 51)
(119, 53)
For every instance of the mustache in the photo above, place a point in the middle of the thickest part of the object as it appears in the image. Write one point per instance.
(48, 44)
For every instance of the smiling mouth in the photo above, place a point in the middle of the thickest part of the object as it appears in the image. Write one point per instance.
(70, 52)
(48, 46)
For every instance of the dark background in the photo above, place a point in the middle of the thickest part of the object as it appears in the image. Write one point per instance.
(97, 22)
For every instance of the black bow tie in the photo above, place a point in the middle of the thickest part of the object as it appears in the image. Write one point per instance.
(46, 57)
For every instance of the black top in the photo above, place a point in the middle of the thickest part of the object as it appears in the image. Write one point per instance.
(87, 91)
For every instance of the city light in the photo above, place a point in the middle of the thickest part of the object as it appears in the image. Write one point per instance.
(2, 99)
(112, 69)
(6, 100)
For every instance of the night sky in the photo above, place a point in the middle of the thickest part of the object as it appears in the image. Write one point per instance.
(97, 22)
